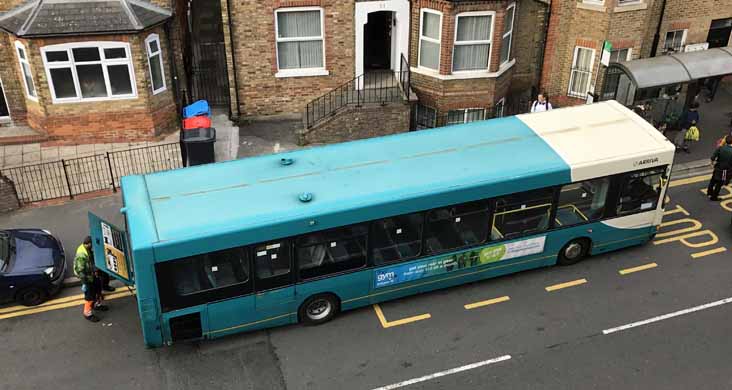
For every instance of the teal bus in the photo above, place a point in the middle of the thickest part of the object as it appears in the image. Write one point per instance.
(300, 236)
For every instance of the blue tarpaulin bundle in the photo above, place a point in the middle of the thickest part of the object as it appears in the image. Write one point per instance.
(197, 108)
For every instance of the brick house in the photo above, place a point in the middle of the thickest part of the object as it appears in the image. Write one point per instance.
(86, 71)
(635, 28)
(463, 58)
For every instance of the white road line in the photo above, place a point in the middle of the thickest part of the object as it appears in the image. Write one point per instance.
(667, 316)
(444, 373)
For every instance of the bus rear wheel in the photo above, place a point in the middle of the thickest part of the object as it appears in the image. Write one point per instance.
(574, 251)
(319, 309)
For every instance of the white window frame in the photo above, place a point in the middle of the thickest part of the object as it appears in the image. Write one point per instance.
(465, 114)
(595, 2)
(572, 74)
(505, 34)
(71, 64)
(428, 39)
(623, 3)
(683, 38)
(155, 38)
(627, 57)
(5, 97)
(492, 14)
(300, 72)
(18, 47)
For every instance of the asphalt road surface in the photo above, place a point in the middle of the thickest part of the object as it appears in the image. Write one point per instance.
(650, 317)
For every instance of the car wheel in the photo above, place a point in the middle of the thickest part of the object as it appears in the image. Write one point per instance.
(31, 296)
(574, 252)
(319, 309)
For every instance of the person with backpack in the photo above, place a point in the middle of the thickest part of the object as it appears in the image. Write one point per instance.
(722, 162)
(541, 104)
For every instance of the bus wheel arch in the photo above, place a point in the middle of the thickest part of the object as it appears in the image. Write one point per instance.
(574, 251)
(319, 308)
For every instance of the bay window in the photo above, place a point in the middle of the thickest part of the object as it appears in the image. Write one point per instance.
(472, 48)
(89, 71)
(300, 41)
(430, 33)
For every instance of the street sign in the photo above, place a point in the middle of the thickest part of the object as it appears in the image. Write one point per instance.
(607, 47)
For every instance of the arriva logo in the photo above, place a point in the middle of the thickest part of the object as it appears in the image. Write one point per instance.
(645, 161)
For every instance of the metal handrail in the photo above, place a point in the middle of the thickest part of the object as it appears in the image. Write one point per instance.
(366, 88)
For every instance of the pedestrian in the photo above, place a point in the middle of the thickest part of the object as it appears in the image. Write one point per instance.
(722, 141)
(692, 135)
(722, 162)
(712, 84)
(91, 281)
(541, 104)
(692, 115)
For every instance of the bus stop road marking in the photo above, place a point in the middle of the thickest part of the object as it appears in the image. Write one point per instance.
(493, 301)
(689, 180)
(667, 316)
(565, 285)
(444, 373)
(389, 324)
(637, 269)
(61, 305)
(709, 252)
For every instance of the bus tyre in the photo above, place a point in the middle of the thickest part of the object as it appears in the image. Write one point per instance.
(574, 251)
(319, 309)
(31, 296)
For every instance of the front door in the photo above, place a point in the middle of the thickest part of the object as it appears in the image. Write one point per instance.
(719, 33)
(377, 41)
(4, 111)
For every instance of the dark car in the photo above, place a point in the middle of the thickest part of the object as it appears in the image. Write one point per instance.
(32, 265)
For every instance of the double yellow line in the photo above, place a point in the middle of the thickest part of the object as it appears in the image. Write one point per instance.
(55, 304)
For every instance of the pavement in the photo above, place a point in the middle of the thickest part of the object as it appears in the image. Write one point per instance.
(663, 303)
(272, 135)
(226, 146)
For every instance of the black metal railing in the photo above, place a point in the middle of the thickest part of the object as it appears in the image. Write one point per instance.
(68, 178)
(405, 76)
(373, 87)
(207, 73)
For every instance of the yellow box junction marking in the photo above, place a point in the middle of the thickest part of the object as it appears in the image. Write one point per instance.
(637, 269)
(565, 285)
(389, 324)
(56, 304)
(689, 180)
(486, 303)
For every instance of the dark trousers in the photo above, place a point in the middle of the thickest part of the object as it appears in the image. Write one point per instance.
(93, 290)
(103, 277)
(719, 178)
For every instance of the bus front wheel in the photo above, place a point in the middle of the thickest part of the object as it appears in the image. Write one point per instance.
(319, 309)
(574, 251)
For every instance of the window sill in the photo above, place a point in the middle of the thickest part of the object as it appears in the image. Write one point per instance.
(631, 7)
(301, 73)
(592, 7)
(92, 100)
(466, 75)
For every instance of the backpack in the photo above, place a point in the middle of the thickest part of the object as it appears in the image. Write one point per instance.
(692, 134)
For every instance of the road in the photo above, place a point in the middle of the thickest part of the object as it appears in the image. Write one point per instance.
(553, 328)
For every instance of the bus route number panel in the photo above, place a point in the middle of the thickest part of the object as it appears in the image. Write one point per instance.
(114, 253)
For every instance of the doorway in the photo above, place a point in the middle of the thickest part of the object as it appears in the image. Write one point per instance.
(378, 44)
(4, 111)
(206, 53)
(719, 33)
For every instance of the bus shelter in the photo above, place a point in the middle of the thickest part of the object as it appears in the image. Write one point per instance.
(665, 86)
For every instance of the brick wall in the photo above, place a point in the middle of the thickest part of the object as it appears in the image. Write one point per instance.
(134, 119)
(370, 120)
(8, 196)
(260, 92)
(6, 5)
(695, 16)
(528, 44)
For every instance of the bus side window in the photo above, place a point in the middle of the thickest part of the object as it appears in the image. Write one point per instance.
(456, 226)
(639, 191)
(332, 251)
(396, 238)
(582, 202)
(522, 213)
(272, 265)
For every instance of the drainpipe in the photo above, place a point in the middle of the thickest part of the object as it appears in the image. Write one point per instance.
(657, 36)
(233, 63)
